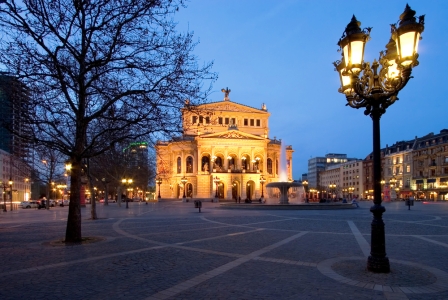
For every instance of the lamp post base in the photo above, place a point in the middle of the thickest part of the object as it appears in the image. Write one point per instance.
(378, 264)
(378, 261)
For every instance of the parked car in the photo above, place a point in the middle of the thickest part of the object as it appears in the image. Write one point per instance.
(29, 204)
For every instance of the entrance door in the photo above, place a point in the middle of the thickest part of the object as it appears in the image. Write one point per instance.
(235, 189)
(250, 190)
(221, 190)
(189, 190)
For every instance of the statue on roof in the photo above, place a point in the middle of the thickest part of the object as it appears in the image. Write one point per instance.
(226, 92)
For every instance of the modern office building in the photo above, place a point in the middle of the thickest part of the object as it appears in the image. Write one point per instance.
(319, 164)
(15, 151)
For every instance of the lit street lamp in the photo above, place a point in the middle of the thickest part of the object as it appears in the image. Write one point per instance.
(262, 181)
(376, 91)
(126, 182)
(10, 182)
(332, 187)
(305, 185)
(350, 191)
(393, 181)
(159, 182)
(184, 180)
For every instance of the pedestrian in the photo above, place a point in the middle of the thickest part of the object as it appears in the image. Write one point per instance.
(355, 202)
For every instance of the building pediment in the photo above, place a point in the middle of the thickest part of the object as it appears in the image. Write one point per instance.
(232, 134)
(230, 107)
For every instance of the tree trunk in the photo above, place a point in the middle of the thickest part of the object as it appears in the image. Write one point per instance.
(73, 231)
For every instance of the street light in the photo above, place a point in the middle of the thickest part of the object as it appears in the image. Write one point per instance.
(68, 168)
(262, 181)
(393, 181)
(184, 180)
(126, 182)
(305, 185)
(10, 182)
(332, 187)
(159, 182)
(376, 92)
(216, 180)
(26, 183)
(350, 191)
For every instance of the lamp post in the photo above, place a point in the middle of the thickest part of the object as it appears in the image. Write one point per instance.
(126, 182)
(332, 187)
(10, 182)
(376, 91)
(184, 181)
(305, 186)
(393, 181)
(26, 183)
(159, 182)
(216, 180)
(350, 191)
(262, 181)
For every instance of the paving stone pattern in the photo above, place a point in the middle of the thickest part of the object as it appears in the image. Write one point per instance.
(168, 250)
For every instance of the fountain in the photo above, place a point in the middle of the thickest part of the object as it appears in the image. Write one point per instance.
(284, 191)
(286, 194)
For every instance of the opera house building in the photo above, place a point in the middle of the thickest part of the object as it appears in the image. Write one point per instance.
(225, 153)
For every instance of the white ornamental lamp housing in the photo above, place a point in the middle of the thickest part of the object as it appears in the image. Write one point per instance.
(407, 37)
(346, 81)
(353, 43)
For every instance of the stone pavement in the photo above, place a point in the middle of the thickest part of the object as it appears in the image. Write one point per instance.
(168, 250)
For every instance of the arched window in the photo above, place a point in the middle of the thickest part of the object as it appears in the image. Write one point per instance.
(269, 162)
(276, 167)
(244, 163)
(179, 165)
(189, 164)
(205, 163)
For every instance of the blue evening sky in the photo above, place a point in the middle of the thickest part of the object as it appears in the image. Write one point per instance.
(281, 53)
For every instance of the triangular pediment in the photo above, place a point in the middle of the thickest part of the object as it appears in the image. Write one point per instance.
(231, 134)
(230, 106)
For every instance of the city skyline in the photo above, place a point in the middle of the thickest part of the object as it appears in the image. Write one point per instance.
(281, 54)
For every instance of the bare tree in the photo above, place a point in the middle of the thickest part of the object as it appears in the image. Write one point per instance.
(99, 72)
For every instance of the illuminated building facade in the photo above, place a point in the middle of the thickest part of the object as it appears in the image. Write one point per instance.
(223, 153)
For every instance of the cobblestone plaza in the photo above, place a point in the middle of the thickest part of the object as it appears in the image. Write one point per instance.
(168, 250)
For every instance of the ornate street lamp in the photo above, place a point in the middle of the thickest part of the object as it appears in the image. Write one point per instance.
(393, 181)
(184, 180)
(216, 180)
(376, 91)
(262, 181)
(159, 182)
(126, 182)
